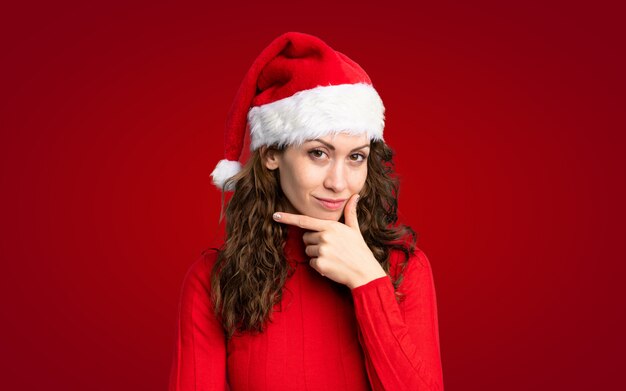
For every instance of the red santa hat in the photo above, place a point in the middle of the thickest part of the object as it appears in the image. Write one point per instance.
(298, 89)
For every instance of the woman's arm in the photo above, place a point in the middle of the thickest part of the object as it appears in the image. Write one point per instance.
(401, 340)
(199, 362)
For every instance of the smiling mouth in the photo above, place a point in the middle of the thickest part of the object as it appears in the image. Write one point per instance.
(331, 205)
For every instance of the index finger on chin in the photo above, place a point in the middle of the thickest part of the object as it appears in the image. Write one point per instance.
(301, 221)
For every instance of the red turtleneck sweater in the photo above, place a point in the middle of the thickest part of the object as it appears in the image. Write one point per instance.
(323, 336)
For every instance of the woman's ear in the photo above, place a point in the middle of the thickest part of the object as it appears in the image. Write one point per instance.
(270, 157)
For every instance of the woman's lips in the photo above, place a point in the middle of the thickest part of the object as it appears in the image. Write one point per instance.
(331, 205)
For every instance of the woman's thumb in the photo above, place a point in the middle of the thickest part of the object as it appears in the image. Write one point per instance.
(350, 214)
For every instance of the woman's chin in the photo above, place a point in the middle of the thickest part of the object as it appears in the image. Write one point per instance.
(321, 214)
(329, 216)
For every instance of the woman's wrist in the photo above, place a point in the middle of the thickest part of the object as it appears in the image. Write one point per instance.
(362, 280)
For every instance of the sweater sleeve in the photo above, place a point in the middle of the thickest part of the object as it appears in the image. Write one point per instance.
(401, 340)
(199, 361)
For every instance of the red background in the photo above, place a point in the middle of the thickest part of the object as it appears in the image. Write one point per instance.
(508, 124)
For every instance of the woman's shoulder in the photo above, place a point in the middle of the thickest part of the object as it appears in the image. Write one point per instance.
(195, 297)
(415, 263)
(405, 252)
(199, 271)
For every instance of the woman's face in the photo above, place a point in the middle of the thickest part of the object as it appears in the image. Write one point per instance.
(319, 176)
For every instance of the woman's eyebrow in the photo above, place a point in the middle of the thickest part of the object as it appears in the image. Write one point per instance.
(332, 148)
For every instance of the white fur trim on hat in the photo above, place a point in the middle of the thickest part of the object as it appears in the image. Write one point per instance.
(310, 114)
(224, 170)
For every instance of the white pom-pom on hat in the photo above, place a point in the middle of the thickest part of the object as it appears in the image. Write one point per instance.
(224, 170)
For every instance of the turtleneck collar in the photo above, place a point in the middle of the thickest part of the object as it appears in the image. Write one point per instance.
(294, 246)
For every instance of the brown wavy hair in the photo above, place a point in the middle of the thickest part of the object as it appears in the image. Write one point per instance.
(251, 268)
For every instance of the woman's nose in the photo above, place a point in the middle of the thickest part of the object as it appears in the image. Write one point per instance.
(336, 178)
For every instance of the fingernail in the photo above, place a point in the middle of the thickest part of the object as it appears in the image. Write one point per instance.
(357, 198)
(276, 216)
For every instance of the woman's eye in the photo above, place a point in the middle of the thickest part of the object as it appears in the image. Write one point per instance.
(317, 153)
(358, 157)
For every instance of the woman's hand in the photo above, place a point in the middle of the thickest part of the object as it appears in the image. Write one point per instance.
(338, 251)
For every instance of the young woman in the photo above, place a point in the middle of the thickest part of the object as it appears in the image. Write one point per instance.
(317, 287)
